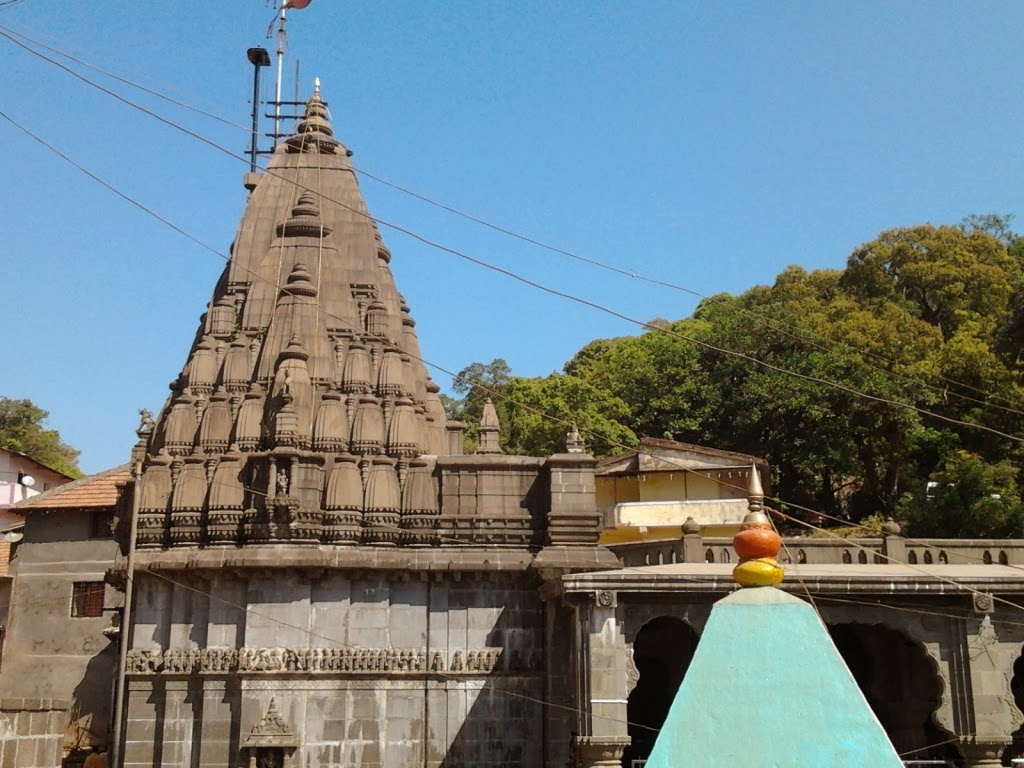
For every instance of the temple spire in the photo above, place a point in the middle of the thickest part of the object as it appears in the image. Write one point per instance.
(305, 379)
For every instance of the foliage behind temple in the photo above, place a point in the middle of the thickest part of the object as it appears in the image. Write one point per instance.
(929, 316)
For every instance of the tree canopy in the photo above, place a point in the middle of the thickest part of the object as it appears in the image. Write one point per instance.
(930, 317)
(22, 430)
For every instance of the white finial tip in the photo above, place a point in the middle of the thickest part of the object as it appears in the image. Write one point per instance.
(316, 85)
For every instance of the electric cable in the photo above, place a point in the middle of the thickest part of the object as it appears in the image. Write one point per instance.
(4, 115)
(228, 258)
(801, 335)
(539, 286)
(181, 231)
(508, 273)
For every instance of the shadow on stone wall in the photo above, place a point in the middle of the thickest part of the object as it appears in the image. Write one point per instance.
(497, 719)
(89, 718)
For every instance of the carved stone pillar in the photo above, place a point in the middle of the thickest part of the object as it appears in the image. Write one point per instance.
(602, 730)
(693, 542)
(991, 654)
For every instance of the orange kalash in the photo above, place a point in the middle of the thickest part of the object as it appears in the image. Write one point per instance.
(757, 544)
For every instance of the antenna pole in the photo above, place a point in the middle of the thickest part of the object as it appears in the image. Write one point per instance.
(280, 70)
(253, 149)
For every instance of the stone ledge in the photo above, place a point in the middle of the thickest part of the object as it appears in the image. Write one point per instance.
(440, 559)
(889, 579)
(34, 705)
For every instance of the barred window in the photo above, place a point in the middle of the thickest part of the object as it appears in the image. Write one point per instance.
(87, 599)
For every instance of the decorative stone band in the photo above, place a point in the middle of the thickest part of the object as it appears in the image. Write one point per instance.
(331, 660)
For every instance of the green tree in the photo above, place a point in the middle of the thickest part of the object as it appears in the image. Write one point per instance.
(967, 496)
(538, 409)
(22, 430)
(477, 383)
(656, 375)
(930, 317)
(944, 274)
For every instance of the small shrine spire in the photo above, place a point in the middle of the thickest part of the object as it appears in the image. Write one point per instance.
(315, 119)
(490, 428)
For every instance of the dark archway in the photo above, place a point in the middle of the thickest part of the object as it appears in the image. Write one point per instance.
(900, 682)
(662, 653)
(1016, 748)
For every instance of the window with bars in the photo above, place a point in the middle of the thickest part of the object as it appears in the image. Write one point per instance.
(87, 599)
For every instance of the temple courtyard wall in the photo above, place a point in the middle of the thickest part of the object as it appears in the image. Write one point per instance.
(369, 669)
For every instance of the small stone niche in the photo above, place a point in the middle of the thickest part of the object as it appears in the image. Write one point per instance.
(271, 743)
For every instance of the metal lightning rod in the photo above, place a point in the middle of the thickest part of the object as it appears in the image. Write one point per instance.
(281, 36)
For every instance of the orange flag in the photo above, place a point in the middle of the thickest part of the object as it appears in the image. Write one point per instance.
(297, 4)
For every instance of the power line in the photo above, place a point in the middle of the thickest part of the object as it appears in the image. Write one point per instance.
(532, 283)
(801, 335)
(510, 274)
(149, 211)
(226, 257)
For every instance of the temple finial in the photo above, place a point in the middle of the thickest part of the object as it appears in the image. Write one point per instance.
(755, 492)
(757, 543)
(315, 125)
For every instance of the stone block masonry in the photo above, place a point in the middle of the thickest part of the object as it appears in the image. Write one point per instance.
(32, 732)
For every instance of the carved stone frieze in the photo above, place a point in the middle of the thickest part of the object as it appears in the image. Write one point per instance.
(332, 660)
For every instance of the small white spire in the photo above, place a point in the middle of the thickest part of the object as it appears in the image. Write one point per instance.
(316, 86)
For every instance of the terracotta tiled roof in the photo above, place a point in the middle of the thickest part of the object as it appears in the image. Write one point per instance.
(95, 491)
(654, 443)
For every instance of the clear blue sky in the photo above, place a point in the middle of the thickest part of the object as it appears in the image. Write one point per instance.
(709, 144)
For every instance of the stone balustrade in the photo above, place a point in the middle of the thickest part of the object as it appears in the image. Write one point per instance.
(694, 548)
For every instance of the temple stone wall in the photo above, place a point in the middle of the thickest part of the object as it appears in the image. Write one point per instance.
(32, 732)
(395, 669)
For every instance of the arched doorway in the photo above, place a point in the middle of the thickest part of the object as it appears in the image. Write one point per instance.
(900, 683)
(662, 653)
(1016, 748)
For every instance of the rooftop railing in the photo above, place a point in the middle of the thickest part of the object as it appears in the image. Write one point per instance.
(867, 551)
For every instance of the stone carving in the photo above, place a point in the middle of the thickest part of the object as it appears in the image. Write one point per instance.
(574, 441)
(606, 598)
(271, 728)
(146, 423)
(983, 602)
(272, 741)
(986, 633)
(176, 661)
(632, 673)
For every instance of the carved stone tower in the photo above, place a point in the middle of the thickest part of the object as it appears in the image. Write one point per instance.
(303, 410)
(309, 534)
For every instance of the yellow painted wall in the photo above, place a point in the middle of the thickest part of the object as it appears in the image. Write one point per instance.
(667, 486)
(616, 490)
(653, 533)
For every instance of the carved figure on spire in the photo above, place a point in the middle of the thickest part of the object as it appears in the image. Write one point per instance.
(146, 423)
